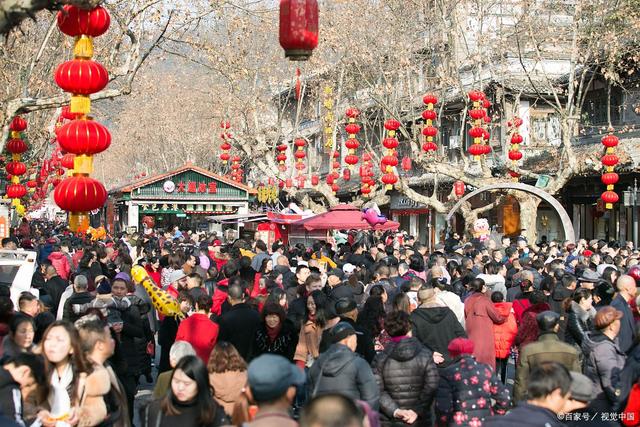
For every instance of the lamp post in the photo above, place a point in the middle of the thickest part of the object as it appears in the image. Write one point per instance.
(631, 200)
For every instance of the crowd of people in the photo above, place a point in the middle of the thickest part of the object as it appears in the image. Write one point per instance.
(376, 330)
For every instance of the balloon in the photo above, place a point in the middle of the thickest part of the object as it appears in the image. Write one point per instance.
(373, 217)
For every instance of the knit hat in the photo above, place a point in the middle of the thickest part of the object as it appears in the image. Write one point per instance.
(459, 346)
(587, 252)
(581, 387)
(123, 276)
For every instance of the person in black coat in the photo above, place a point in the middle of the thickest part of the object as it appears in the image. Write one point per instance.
(54, 286)
(20, 371)
(435, 326)
(276, 334)
(626, 291)
(579, 317)
(79, 297)
(169, 329)
(407, 376)
(347, 309)
(239, 325)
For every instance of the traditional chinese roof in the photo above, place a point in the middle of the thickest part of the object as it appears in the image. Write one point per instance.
(128, 188)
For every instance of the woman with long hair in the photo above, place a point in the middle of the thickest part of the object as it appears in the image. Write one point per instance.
(276, 334)
(66, 366)
(372, 315)
(154, 270)
(20, 339)
(317, 319)
(188, 402)
(227, 375)
(277, 296)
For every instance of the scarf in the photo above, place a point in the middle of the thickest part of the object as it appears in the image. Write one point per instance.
(273, 332)
(59, 399)
(398, 339)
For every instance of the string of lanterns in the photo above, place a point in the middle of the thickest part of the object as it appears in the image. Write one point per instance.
(390, 160)
(225, 146)
(82, 136)
(429, 115)
(366, 174)
(15, 168)
(610, 178)
(479, 117)
(516, 139)
(352, 144)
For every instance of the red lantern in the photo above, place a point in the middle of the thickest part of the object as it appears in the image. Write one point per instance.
(18, 124)
(16, 168)
(300, 155)
(459, 188)
(429, 146)
(516, 138)
(514, 174)
(299, 142)
(335, 165)
(32, 184)
(352, 144)
(351, 159)
(476, 150)
(392, 124)
(486, 104)
(15, 191)
(609, 198)
(610, 160)
(406, 164)
(515, 155)
(610, 141)
(335, 187)
(80, 194)
(476, 132)
(476, 95)
(16, 146)
(289, 183)
(315, 180)
(298, 28)
(477, 114)
(352, 128)
(81, 76)
(430, 99)
(365, 189)
(225, 146)
(429, 115)
(389, 180)
(84, 137)
(300, 166)
(330, 179)
(352, 113)
(225, 124)
(391, 161)
(226, 156)
(390, 143)
(75, 22)
(430, 131)
(610, 178)
(346, 174)
(366, 157)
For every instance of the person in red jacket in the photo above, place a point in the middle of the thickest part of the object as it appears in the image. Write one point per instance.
(504, 334)
(219, 298)
(528, 329)
(60, 261)
(198, 330)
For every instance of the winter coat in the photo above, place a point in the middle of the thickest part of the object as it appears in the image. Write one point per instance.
(61, 264)
(629, 377)
(548, 348)
(408, 379)
(504, 334)
(627, 324)
(284, 344)
(494, 283)
(152, 416)
(480, 317)
(520, 305)
(227, 387)
(559, 294)
(10, 398)
(133, 342)
(435, 327)
(200, 332)
(466, 391)
(219, 296)
(604, 361)
(308, 343)
(77, 298)
(526, 415)
(238, 327)
(297, 311)
(341, 370)
(528, 329)
(44, 252)
(451, 300)
(579, 324)
(365, 347)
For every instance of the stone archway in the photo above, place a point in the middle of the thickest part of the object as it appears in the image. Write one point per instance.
(567, 225)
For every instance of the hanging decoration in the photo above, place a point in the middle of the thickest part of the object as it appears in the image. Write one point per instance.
(352, 143)
(390, 160)
(516, 139)
(80, 194)
(429, 115)
(268, 193)
(15, 168)
(459, 188)
(236, 172)
(328, 117)
(281, 157)
(335, 172)
(610, 178)
(298, 28)
(366, 174)
(225, 147)
(477, 114)
(298, 84)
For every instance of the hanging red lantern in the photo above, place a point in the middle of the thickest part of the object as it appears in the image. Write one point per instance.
(429, 131)
(335, 187)
(352, 128)
(315, 180)
(298, 28)
(365, 190)
(351, 159)
(16, 146)
(225, 157)
(388, 162)
(390, 143)
(81, 76)
(330, 179)
(516, 138)
(477, 114)
(389, 180)
(429, 146)
(610, 178)
(476, 150)
(610, 141)
(15, 191)
(74, 21)
(289, 183)
(406, 164)
(476, 132)
(281, 157)
(515, 155)
(18, 124)
(459, 188)
(16, 168)
(94, 192)
(429, 115)
(392, 125)
(476, 95)
(84, 137)
(32, 184)
(352, 144)
(346, 174)
(610, 160)
(609, 198)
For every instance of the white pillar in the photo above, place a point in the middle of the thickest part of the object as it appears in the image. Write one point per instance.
(132, 216)
(413, 225)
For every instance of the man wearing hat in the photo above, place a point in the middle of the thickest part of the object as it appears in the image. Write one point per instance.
(547, 348)
(347, 309)
(435, 325)
(272, 385)
(337, 287)
(577, 405)
(603, 359)
(339, 369)
(177, 283)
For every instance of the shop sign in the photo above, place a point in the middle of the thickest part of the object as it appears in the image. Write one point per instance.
(400, 203)
(192, 187)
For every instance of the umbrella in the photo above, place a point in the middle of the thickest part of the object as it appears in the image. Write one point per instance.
(343, 217)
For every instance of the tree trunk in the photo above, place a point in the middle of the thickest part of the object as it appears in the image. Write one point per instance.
(528, 215)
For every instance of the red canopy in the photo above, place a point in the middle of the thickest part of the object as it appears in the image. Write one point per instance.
(343, 217)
